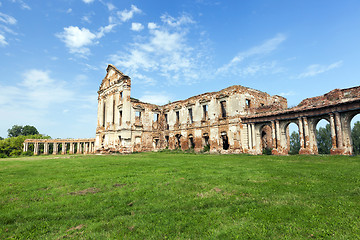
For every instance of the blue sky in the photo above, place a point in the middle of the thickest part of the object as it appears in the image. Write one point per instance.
(54, 53)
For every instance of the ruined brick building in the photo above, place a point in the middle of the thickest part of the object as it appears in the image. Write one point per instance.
(234, 120)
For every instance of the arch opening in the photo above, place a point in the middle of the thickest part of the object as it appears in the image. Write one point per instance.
(266, 139)
(225, 141)
(293, 140)
(323, 136)
(355, 134)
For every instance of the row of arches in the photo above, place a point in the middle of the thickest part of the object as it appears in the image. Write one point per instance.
(321, 128)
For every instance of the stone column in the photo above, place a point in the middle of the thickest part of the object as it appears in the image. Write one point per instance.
(273, 133)
(306, 133)
(253, 135)
(63, 148)
(249, 136)
(338, 130)
(55, 148)
(26, 146)
(333, 131)
(301, 133)
(278, 134)
(71, 150)
(46, 148)
(78, 148)
(36, 148)
(85, 147)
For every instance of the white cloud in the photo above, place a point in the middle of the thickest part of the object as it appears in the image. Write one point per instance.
(88, 1)
(316, 69)
(104, 30)
(69, 10)
(234, 66)
(40, 100)
(7, 19)
(77, 39)
(3, 41)
(152, 25)
(156, 98)
(163, 55)
(22, 4)
(126, 15)
(285, 94)
(86, 19)
(175, 22)
(110, 6)
(136, 26)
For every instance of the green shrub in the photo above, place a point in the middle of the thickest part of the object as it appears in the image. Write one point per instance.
(206, 148)
(267, 151)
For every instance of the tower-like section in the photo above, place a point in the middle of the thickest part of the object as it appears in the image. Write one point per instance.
(113, 132)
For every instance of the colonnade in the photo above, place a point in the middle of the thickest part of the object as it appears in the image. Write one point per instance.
(280, 137)
(76, 146)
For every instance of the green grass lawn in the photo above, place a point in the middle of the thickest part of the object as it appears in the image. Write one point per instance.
(180, 196)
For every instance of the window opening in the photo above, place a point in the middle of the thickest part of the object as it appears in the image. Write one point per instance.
(156, 117)
(177, 117)
(225, 141)
(247, 103)
(223, 109)
(138, 117)
(104, 115)
(205, 112)
(167, 140)
(120, 118)
(190, 115)
(113, 117)
(191, 141)
(178, 142)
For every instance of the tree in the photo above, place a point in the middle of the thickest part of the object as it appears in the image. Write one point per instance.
(13, 146)
(1, 138)
(294, 143)
(17, 130)
(323, 137)
(355, 135)
(29, 130)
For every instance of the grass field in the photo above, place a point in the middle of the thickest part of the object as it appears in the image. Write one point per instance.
(180, 196)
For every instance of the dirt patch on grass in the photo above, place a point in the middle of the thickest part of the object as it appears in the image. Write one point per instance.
(76, 228)
(119, 185)
(85, 191)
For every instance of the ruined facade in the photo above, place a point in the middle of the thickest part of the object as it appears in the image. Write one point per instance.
(234, 120)
(211, 120)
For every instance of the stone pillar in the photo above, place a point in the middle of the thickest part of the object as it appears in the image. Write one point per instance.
(306, 133)
(63, 148)
(26, 146)
(278, 134)
(55, 148)
(333, 131)
(273, 133)
(46, 148)
(78, 148)
(85, 147)
(301, 133)
(338, 130)
(249, 136)
(253, 136)
(36, 148)
(71, 150)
